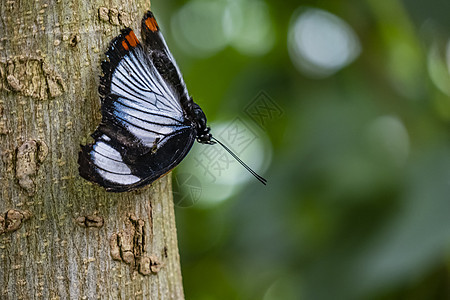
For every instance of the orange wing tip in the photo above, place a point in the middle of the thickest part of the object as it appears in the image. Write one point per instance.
(150, 22)
(125, 45)
(132, 39)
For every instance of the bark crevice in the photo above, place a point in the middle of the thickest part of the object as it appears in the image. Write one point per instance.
(13, 219)
(129, 246)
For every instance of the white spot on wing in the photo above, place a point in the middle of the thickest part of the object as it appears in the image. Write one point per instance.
(142, 124)
(106, 150)
(118, 178)
(147, 137)
(110, 164)
(141, 113)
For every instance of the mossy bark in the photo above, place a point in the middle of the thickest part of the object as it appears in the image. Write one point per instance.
(60, 236)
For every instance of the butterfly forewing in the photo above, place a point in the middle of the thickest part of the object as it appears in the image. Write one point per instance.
(155, 45)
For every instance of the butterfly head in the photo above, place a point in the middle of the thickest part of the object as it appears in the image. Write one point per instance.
(199, 119)
(204, 137)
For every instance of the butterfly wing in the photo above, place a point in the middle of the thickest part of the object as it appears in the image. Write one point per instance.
(157, 49)
(144, 132)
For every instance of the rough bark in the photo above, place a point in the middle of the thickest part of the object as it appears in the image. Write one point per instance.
(60, 236)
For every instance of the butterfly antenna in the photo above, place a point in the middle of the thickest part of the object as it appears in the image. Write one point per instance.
(260, 178)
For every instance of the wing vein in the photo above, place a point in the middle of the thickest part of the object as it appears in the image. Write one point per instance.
(136, 84)
(140, 127)
(152, 114)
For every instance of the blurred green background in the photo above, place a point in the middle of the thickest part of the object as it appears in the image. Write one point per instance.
(344, 106)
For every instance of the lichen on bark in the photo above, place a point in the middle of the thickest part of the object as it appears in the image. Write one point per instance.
(30, 76)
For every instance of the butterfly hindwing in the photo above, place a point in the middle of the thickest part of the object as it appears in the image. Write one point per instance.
(102, 163)
(144, 132)
(118, 171)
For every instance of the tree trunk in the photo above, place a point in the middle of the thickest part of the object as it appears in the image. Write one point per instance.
(60, 236)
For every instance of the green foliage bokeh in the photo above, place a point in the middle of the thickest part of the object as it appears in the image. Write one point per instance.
(358, 200)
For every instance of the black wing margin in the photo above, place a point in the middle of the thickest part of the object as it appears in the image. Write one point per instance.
(155, 45)
(118, 48)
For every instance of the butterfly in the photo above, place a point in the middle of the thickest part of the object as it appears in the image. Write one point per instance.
(149, 121)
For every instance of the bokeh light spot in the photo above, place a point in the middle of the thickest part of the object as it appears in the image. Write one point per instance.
(219, 174)
(320, 43)
(198, 27)
(389, 138)
(437, 69)
(250, 27)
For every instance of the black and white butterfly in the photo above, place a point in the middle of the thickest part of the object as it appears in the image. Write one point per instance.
(149, 121)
